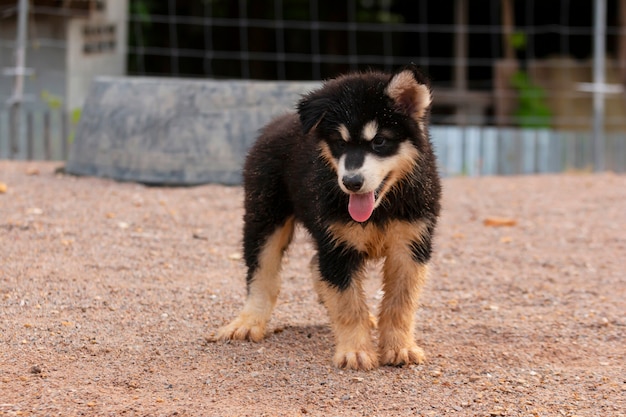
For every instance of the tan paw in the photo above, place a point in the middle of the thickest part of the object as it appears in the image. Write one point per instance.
(362, 360)
(401, 356)
(242, 328)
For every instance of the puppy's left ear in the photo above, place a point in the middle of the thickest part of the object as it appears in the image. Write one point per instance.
(311, 110)
(410, 91)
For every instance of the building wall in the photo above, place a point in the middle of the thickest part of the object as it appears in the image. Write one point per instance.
(90, 52)
(64, 55)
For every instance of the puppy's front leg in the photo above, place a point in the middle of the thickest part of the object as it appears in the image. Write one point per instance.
(402, 286)
(349, 314)
(404, 275)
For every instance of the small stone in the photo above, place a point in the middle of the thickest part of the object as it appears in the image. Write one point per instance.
(499, 222)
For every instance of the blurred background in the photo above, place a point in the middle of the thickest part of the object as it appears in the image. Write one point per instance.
(554, 68)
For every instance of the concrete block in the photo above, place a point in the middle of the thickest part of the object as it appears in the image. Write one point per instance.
(175, 131)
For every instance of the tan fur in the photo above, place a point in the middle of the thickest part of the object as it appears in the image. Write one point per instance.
(343, 131)
(370, 130)
(403, 88)
(263, 290)
(351, 320)
(376, 241)
(404, 165)
(328, 156)
(403, 280)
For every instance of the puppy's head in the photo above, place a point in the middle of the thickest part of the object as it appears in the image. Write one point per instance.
(371, 129)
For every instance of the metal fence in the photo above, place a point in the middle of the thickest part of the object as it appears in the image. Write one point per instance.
(461, 151)
(477, 151)
(43, 135)
(493, 63)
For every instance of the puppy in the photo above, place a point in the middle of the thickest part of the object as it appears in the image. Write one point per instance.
(355, 166)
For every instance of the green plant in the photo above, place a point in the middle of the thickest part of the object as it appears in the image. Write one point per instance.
(74, 119)
(53, 101)
(532, 110)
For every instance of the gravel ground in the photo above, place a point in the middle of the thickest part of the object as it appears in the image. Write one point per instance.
(110, 293)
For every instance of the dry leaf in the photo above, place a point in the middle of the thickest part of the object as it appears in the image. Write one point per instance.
(499, 221)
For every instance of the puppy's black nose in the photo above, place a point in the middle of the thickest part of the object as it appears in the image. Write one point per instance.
(353, 182)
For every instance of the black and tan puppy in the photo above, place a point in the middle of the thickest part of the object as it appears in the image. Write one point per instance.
(356, 167)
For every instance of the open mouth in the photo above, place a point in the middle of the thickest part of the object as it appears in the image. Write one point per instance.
(361, 206)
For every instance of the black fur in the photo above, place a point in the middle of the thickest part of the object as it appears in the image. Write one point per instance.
(285, 173)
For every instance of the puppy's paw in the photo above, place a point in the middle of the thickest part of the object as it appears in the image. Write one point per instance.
(361, 360)
(402, 355)
(243, 327)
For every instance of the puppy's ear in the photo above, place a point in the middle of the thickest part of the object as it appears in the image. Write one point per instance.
(311, 110)
(410, 91)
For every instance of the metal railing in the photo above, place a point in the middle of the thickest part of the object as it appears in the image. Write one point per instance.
(41, 135)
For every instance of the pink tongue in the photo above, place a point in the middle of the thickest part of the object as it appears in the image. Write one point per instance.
(361, 206)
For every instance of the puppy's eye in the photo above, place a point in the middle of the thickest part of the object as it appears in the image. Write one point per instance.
(378, 142)
(339, 145)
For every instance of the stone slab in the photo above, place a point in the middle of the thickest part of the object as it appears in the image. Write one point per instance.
(175, 131)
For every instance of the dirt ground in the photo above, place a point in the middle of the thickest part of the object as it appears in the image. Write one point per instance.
(110, 293)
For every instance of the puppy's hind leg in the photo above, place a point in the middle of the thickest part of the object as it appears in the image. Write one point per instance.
(263, 256)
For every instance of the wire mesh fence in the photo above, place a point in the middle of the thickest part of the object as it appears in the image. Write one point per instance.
(496, 62)
(502, 63)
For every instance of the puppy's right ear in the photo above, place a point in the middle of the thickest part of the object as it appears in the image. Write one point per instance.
(311, 110)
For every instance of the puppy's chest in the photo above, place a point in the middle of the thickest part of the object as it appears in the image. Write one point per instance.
(377, 240)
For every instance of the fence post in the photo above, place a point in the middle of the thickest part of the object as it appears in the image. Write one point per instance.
(19, 71)
(599, 55)
(47, 140)
(13, 131)
(30, 139)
